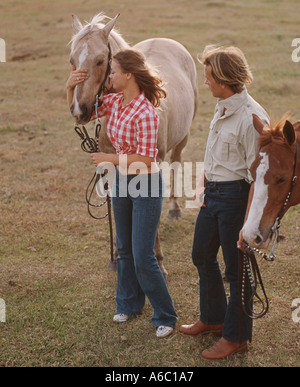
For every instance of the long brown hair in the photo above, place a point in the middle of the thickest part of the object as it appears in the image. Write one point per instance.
(133, 61)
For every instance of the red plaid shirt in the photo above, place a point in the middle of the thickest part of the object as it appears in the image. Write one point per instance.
(132, 129)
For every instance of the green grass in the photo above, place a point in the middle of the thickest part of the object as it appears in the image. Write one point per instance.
(59, 295)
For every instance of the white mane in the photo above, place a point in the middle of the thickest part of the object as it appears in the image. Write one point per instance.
(97, 22)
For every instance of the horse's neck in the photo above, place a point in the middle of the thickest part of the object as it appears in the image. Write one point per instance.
(117, 42)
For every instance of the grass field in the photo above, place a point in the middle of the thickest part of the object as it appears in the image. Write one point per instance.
(59, 296)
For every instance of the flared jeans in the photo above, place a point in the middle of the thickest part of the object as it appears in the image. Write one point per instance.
(137, 204)
(218, 224)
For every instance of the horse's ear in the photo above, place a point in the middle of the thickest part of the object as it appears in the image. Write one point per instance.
(289, 132)
(296, 125)
(77, 26)
(258, 124)
(110, 25)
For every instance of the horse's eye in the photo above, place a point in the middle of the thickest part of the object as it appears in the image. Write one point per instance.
(100, 62)
(281, 180)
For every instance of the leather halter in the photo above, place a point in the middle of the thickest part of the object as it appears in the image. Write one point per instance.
(247, 260)
(288, 198)
(102, 86)
(276, 226)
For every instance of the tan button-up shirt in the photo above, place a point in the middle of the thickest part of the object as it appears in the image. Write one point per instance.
(232, 143)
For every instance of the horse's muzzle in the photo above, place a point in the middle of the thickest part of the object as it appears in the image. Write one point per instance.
(82, 114)
(256, 238)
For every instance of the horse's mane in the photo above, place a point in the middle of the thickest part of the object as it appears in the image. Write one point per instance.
(273, 133)
(97, 22)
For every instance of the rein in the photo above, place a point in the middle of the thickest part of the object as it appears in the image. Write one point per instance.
(249, 270)
(91, 145)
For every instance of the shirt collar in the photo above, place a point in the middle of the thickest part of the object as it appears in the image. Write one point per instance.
(135, 102)
(232, 103)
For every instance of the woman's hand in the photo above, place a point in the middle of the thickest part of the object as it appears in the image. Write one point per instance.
(101, 157)
(76, 77)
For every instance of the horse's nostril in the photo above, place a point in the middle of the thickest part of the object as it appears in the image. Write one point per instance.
(258, 240)
(84, 110)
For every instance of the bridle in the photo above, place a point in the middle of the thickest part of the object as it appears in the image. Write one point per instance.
(276, 226)
(106, 76)
(247, 261)
(91, 145)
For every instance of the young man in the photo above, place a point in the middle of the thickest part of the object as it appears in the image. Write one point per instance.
(231, 149)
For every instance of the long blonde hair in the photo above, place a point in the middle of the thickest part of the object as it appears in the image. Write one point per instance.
(133, 61)
(228, 66)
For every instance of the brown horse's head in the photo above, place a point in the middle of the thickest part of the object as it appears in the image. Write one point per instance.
(89, 52)
(272, 171)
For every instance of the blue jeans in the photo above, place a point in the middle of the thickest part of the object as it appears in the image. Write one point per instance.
(137, 204)
(218, 224)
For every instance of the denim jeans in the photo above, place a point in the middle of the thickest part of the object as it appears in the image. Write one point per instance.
(218, 224)
(137, 204)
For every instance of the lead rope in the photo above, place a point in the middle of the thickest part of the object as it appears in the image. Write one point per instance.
(91, 145)
(249, 279)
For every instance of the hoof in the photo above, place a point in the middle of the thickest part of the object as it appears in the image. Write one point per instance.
(174, 214)
(112, 266)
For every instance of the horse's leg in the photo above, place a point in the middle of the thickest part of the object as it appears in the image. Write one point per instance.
(159, 255)
(174, 208)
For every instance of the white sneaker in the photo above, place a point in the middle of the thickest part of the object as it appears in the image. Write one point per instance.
(163, 331)
(120, 317)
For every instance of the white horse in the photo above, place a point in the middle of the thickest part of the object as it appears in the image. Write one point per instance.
(90, 50)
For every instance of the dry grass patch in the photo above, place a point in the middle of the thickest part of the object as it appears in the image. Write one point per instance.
(53, 258)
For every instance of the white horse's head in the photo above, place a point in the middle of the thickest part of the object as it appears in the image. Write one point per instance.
(89, 51)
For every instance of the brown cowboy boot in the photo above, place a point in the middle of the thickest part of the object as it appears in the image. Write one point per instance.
(224, 348)
(200, 327)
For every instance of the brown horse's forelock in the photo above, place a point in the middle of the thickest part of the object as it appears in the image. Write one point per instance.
(273, 134)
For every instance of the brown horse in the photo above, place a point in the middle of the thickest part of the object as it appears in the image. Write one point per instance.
(275, 187)
(92, 45)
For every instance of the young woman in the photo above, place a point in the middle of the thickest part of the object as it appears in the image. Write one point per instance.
(132, 124)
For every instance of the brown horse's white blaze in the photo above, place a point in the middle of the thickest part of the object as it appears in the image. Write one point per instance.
(273, 172)
(251, 229)
(177, 69)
